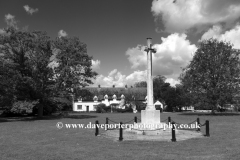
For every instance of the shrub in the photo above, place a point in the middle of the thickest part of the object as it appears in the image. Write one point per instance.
(127, 109)
(21, 108)
(140, 106)
(107, 109)
(67, 108)
(101, 108)
(48, 108)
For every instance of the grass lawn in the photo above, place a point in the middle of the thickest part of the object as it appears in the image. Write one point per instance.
(31, 139)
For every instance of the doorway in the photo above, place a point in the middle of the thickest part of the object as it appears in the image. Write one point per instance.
(87, 108)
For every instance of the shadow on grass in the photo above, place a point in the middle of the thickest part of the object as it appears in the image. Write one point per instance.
(210, 114)
(79, 116)
(27, 118)
(52, 117)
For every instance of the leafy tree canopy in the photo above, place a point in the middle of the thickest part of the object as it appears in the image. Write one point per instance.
(34, 67)
(212, 76)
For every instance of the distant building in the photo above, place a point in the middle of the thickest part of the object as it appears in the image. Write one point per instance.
(187, 108)
(226, 107)
(114, 97)
(88, 105)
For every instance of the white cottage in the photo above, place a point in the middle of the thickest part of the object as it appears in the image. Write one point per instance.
(158, 105)
(187, 108)
(88, 106)
(115, 101)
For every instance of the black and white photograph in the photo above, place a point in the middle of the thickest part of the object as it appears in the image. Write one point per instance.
(119, 79)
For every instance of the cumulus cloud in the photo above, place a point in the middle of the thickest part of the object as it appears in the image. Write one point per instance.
(136, 56)
(10, 20)
(113, 78)
(213, 32)
(183, 15)
(172, 81)
(232, 36)
(174, 52)
(96, 64)
(2, 32)
(62, 33)
(30, 10)
(136, 76)
(120, 80)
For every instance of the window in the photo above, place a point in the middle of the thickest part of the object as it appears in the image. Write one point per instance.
(79, 106)
(95, 98)
(79, 99)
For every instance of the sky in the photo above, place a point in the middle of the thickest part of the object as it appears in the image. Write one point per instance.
(115, 31)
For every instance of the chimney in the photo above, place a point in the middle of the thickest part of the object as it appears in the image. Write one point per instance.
(99, 86)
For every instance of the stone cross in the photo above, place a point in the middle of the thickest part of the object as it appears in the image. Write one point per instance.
(149, 50)
(150, 115)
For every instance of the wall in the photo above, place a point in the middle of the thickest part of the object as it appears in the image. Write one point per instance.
(84, 106)
(91, 105)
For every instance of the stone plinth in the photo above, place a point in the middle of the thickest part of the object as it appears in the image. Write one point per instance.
(150, 123)
(150, 116)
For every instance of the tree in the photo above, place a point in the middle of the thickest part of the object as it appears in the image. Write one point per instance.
(134, 97)
(74, 65)
(212, 76)
(25, 56)
(163, 92)
(169, 97)
(83, 93)
(8, 77)
(158, 83)
(140, 84)
(183, 97)
(33, 67)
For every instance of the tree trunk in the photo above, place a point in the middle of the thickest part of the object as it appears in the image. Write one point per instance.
(213, 112)
(40, 110)
(213, 108)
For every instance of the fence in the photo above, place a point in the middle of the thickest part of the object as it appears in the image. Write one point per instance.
(198, 129)
(175, 126)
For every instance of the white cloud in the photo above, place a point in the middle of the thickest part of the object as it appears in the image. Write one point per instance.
(30, 10)
(186, 14)
(113, 78)
(136, 56)
(2, 32)
(136, 76)
(232, 36)
(10, 20)
(9, 17)
(62, 33)
(119, 80)
(111, 74)
(172, 81)
(213, 32)
(174, 52)
(96, 64)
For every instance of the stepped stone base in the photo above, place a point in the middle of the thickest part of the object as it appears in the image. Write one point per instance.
(150, 116)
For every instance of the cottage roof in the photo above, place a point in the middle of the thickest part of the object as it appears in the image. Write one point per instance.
(118, 91)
